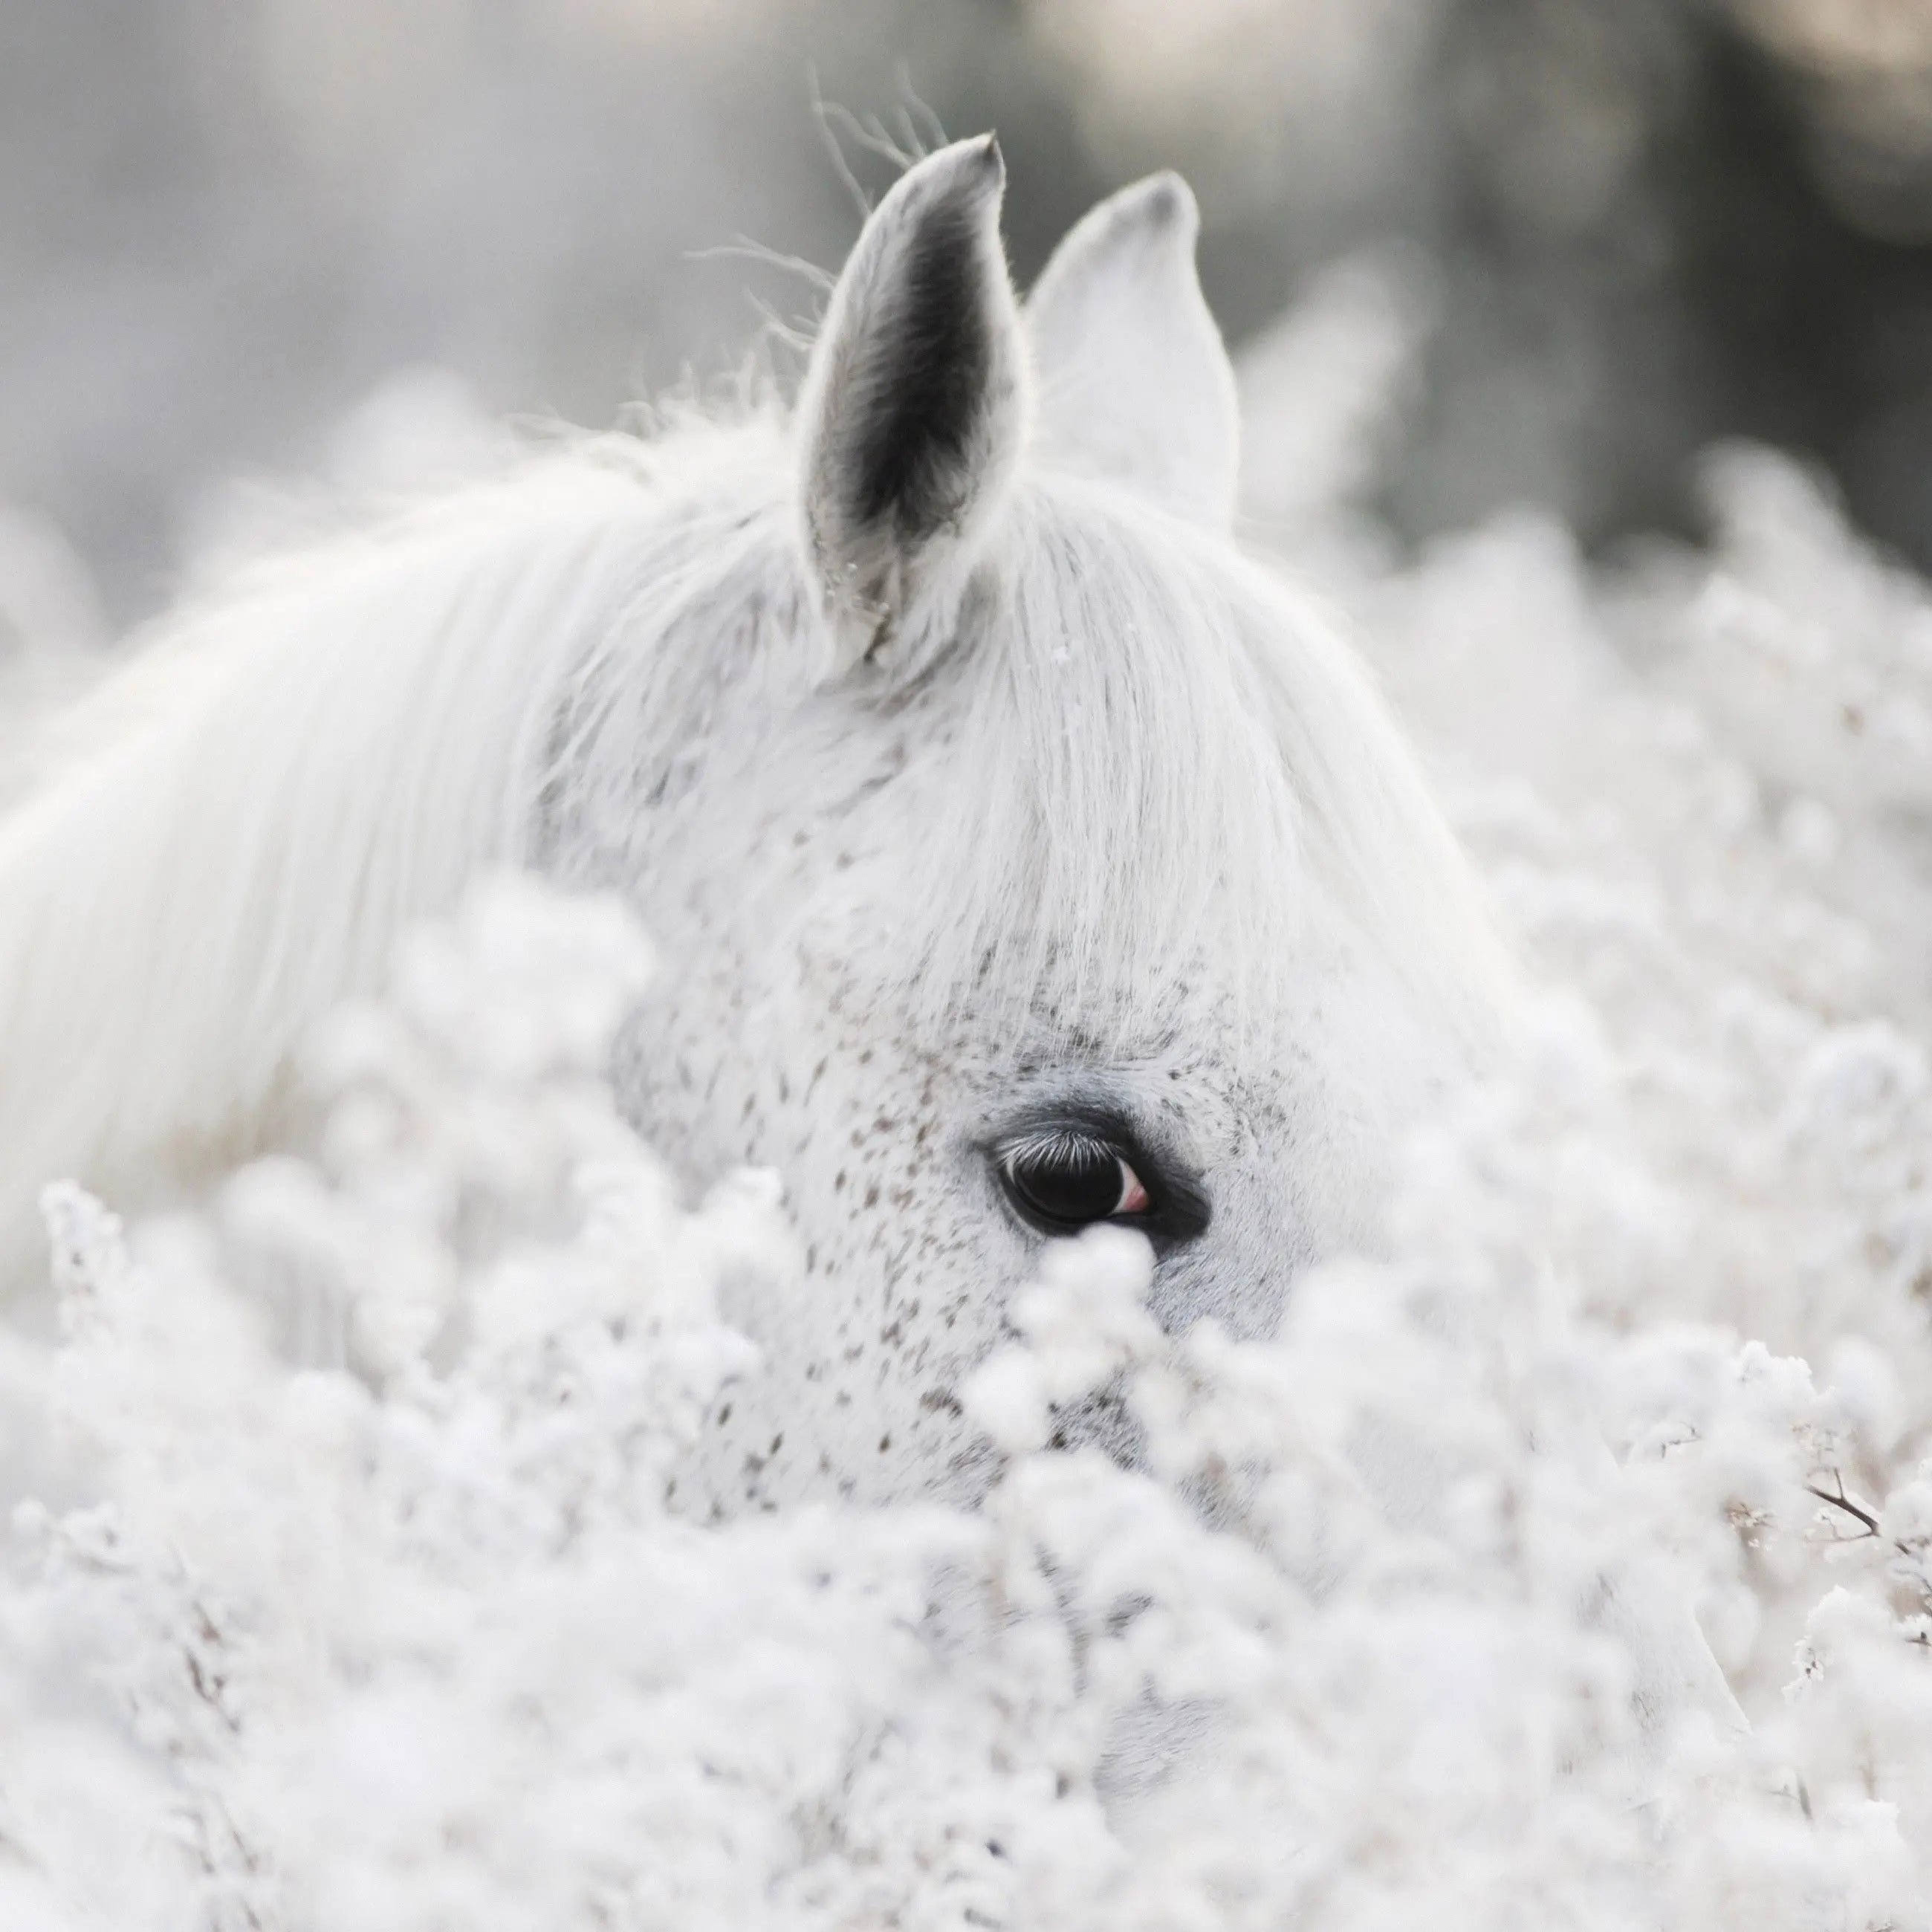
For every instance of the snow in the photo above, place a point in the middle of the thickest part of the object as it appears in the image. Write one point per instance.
(343, 1589)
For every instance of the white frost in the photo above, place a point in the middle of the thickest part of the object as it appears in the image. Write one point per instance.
(347, 1589)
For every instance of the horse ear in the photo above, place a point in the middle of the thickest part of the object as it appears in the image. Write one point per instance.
(912, 411)
(1134, 383)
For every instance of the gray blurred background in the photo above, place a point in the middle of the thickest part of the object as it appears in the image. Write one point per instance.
(1643, 224)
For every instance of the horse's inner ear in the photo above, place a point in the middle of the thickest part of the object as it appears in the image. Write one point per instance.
(912, 412)
(1134, 383)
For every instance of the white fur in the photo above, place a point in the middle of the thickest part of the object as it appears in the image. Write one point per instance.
(254, 811)
(1118, 312)
(1131, 830)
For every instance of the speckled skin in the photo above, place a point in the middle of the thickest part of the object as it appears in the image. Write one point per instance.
(777, 810)
(780, 1033)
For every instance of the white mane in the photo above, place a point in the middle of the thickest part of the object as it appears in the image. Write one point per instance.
(253, 810)
(1140, 748)
(1177, 757)
(1152, 748)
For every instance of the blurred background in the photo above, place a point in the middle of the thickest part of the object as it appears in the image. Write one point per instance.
(1634, 226)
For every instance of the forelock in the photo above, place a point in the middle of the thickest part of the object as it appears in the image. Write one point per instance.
(1170, 781)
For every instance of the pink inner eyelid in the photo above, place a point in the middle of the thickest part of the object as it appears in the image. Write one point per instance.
(1134, 1197)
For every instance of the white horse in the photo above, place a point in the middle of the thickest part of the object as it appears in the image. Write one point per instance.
(1022, 854)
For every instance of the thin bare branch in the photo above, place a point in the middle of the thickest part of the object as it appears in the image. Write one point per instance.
(1841, 1501)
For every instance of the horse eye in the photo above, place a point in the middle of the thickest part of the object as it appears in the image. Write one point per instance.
(1064, 1179)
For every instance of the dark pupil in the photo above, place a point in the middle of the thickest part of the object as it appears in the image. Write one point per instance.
(1068, 1178)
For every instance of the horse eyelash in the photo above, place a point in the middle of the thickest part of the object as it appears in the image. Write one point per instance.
(1181, 1210)
(1046, 1143)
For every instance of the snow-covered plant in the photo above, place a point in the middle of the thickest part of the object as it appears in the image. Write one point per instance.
(1568, 1562)
(357, 1595)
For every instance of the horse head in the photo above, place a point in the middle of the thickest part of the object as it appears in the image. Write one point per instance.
(1027, 856)
(1023, 855)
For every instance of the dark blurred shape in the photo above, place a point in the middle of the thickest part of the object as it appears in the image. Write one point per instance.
(1652, 223)
(1667, 222)
(1863, 72)
(1656, 224)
